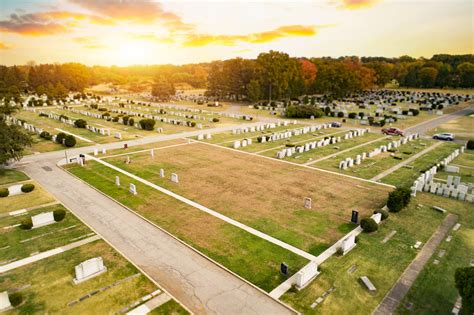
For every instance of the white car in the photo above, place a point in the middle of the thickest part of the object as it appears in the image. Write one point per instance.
(444, 136)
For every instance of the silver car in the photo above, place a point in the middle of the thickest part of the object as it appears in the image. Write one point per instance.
(444, 136)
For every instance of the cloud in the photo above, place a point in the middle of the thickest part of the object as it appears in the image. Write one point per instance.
(47, 23)
(4, 46)
(89, 42)
(197, 40)
(356, 4)
(137, 11)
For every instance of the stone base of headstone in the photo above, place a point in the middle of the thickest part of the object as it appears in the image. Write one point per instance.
(76, 281)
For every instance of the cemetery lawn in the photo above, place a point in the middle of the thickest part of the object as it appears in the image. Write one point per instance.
(169, 308)
(40, 239)
(47, 287)
(327, 150)
(462, 128)
(11, 176)
(132, 149)
(37, 197)
(404, 177)
(262, 193)
(247, 255)
(434, 290)
(221, 138)
(370, 167)
(381, 263)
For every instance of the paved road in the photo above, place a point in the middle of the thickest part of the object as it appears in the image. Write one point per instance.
(201, 285)
(407, 161)
(391, 301)
(430, 124)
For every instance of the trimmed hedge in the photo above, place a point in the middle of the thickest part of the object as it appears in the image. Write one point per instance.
(369, 225)
(60, 137)
(26, 188)
(80, 123)
(59, 215)
(26, 224)
(70, 141)
(15, 298)
(398, 199)
(470, 144)
(215, 119)
(4, 192)
(147, 124)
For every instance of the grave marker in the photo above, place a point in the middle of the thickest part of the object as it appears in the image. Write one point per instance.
(89, 269)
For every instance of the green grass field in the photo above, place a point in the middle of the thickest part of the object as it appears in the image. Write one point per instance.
(249, 256)
(11, 176)
(169, 308)
(383, 263)
(405, 176)
(22, 243)
(37, 197)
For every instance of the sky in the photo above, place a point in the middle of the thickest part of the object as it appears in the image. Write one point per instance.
(130, 32)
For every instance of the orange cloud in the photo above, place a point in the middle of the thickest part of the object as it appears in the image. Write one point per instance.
(138, 11)
(356, 4)
(4, 46)
(197, 40)
(47, 23)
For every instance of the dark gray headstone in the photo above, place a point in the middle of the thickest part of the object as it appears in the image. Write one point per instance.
(355, 216)
(284, 269)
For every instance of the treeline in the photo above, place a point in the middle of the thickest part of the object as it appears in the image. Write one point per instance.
(273, 75)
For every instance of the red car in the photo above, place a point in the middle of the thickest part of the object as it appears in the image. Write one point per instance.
(392, 132)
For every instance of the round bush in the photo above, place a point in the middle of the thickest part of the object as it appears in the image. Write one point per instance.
(131, 121)
(470, 144)
(4, 192)
(215, 119)
(80, 123)
(147, 124)
(26, 188)
(59, 215)
(26, 224)
(45, 135)
(70, 141)
(369, 225)
(60, 137)
(352, 115)
(340, 114)
(193, 124)
(383, 212)
(15, 298)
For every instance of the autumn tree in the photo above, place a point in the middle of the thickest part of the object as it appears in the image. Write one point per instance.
(162, 88)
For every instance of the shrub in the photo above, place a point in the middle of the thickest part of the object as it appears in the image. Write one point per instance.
(80, 123)
(398, 199)
(26, 188)
(303, 111)
(340, 114)
(369, 225)
(45, 135)
(70, 141)
(147, 124)
(470, 144)
(290, 145)
(43, 115)
(415, 112)
(215, 119)
(193, 124)
(60, 137)
(125, 120)
(4, 192)
(63, 117)
(26, 224)
(383, 212)
(15, 298)
(59, 215)
(352, 115)
(115, 119)
(102, 109)
(464, 278)
(131, 122)
(340, 251)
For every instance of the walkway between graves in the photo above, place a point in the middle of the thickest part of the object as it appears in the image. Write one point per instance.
(393, 298)
(24, 211)
(406, 162)
(216, 214)
(46, 254)
(422, 127)
(72, 134)
(147, 150)
(344, 151)
(149, 306)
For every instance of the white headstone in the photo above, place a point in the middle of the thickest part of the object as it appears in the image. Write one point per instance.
(117, 180)
(133, 189)
(152, 153)
(306, 274)
(89, 269)
(4, 301)
(377, 217)
(174, 178)
(42, 219)
(104, 151)
(162, 173)
(96, 152)
(348, 244)
(307, 203)
(14, 190)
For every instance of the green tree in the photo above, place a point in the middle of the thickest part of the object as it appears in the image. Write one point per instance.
(254, 91)
(428, 76)
(466, 74)
(464, 279)
(162, 88)
(13, 141)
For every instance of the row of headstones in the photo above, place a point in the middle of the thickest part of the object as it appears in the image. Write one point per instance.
(456, 190)
(102, 131)
(239, 131)
(201, 136)
(287, 134)
(350, 162)
(27, 126)
(242, 143)
(165, 120)
(188, 116)
(288, 152)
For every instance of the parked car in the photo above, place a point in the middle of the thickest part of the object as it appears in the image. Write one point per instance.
(336, 124)
(393, 132)
(444, 136)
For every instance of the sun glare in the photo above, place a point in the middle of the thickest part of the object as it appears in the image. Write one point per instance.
(132, 53)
